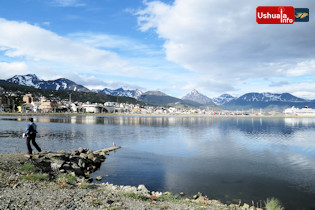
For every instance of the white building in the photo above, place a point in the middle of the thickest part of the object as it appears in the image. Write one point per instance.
(93, 108)
(299, 112)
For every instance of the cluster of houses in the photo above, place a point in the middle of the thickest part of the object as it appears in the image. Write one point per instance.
(7, 102)
(44, 105)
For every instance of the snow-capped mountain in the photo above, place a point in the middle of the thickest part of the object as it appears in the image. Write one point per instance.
(58, 84)
(262, 100)
(154, 93)
(27, 80)
(226, 101)
(121, 92)
(65, 84)
(270, 97)
(195, 96)
(223, 99)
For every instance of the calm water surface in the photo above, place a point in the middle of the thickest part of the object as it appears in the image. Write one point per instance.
(224, 158)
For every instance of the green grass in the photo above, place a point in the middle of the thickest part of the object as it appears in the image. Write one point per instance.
(96, 203)
(84, 186)
(28, 168)
(169, 197)
(35, 177)
(273, 204)
(65, 179)
(137, 196)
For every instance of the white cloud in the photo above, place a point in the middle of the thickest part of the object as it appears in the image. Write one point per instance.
(94, 82)
(302, 90)
(121, 43)
(67, 3)
(20, 39)
(302, 68)
(279, 83)
(221, 39)
(304, 94)
(50, 55)
(8, 70)
(85, 58)
(209, 86)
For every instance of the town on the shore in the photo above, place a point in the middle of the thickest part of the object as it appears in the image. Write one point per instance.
(32, 104)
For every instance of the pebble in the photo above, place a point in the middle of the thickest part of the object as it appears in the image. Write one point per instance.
(99, 178)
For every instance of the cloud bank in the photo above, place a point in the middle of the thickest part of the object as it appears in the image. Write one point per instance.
(220, 39)
(20, 39)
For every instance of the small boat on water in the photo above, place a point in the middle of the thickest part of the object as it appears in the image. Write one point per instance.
(299, 112)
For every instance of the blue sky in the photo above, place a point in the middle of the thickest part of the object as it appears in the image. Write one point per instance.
(214, 46)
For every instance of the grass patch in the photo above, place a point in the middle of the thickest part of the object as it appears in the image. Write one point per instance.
(96, 203)
(28, 168)
(168, 197)
(84, 185)
(65, 180)
(273, 204)
(137, 196)
(35, 177)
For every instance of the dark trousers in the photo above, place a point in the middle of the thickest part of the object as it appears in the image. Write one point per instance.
(28, 143)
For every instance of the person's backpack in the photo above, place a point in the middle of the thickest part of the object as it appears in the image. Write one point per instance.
(32, 130)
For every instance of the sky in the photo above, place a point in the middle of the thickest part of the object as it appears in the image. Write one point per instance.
(174, 46)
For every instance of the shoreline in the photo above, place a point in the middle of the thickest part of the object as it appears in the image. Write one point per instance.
(150, 115)
(24, 194)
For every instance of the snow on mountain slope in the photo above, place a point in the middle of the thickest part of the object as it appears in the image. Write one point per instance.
(121, 92)
(195, 96)
(223, 99)
(58, 84)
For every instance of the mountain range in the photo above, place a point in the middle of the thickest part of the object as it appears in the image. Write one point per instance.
(192, 99)
(58, 84)
(121, 92)
(264, 100)
(161, 99)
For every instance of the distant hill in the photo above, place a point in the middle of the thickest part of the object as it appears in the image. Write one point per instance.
(159, 98)
(195, 96)
(58, 84)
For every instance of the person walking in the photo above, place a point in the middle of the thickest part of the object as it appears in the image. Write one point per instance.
(30, 134)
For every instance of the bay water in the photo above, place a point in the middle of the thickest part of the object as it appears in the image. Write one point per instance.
(225, 158)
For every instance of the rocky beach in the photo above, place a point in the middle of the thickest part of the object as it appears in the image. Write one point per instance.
(24, 184)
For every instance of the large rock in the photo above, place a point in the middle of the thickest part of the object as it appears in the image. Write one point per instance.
(57, 164)
(81, 162)
(143, 190)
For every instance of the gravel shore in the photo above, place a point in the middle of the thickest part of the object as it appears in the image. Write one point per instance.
(18, 192)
